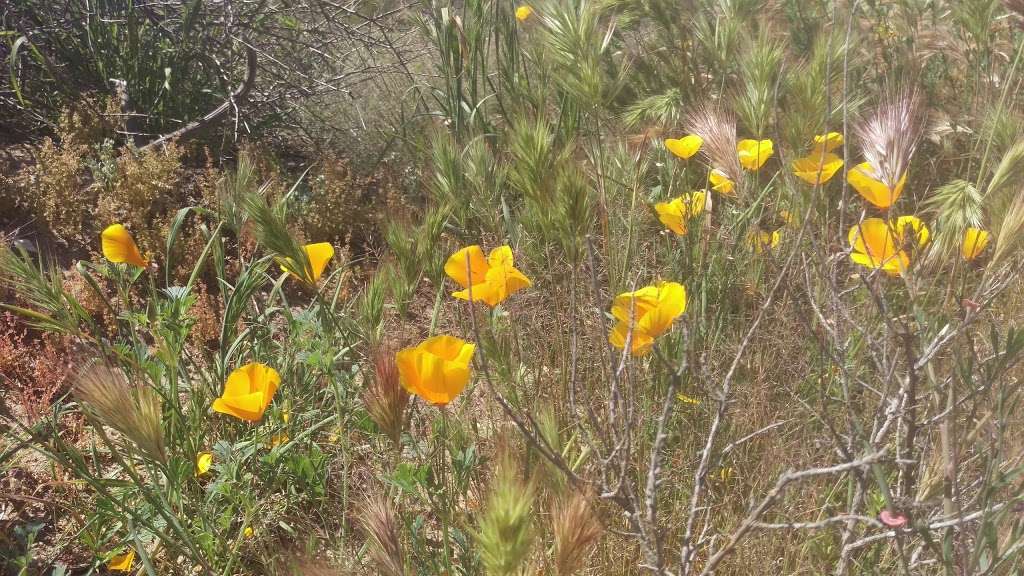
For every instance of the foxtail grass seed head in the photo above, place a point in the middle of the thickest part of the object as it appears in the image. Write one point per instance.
(506, 536)
(890, 135)
(377, 518)
(1008, 239)
(134, 411)
(385, 398)
(717, 129)
(576, 530)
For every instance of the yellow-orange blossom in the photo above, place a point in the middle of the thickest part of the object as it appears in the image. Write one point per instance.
(119, 246)
(492, 279)
(646, 314)
(436, 369)
(248, 391)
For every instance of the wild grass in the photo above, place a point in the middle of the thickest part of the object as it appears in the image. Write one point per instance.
(822, 405)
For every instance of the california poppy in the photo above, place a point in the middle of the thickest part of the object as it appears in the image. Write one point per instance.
(827, 142)
(277, 439)
(761, 240)
(649, 311)
(676, 213)
(686, 146)
(248, 391)
(687, 399)
(754, 153)
(863, 179)
(492, 279)
(203, 462)
(318, 255)
(975, 242)
(883, 245)
(122, 562)
(817, 167)
(721, 183)
(436, 369)
(119, 246)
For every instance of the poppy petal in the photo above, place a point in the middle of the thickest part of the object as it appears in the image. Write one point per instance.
(119, 246)
(455, 267)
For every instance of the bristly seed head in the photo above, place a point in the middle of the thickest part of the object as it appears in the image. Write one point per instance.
(576, 529)
(506, 535)
(718, 129)
(385, 398)
(890, 136)
(133, 411)
(381, 529)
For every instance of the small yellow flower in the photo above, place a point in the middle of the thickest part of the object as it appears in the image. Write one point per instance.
(650, 311)
(862, 178)
(912, 232)
(436, 369)
(754, 153)
(686, 146)
(883, 245)
(203, 462)
(248, 391)
(523, 12)
(975, 242)
(721, 183)
(492, 280)
(122, 562)
(725, 474)
(760, 240)
(687, 399)
(119, 246)
(817, 167)
(319, 255)
(248, 532)
(827, 142)
(675, 214)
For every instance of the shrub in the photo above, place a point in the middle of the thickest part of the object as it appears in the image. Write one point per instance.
(144, 194)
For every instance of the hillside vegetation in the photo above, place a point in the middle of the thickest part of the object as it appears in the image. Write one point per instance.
(567, 287)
